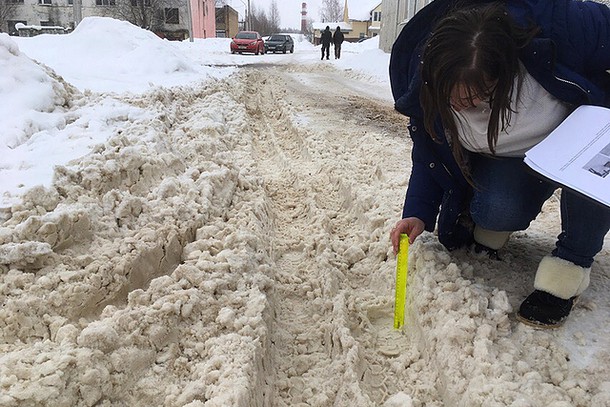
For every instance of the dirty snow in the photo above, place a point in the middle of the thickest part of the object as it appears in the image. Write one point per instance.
(186, 227)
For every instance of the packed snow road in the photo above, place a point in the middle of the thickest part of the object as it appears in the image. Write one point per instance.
(231, 251)
(334, 160)
(230, 248)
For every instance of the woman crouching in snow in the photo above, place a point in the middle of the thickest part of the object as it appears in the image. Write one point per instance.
(483, 82)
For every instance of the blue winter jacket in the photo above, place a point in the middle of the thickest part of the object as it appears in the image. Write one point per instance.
(569, 58)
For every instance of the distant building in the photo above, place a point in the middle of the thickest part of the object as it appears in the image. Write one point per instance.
(396, 13)
(227, 22)
(361, 22)
(203, 15)
(167, 18)
(375, 27)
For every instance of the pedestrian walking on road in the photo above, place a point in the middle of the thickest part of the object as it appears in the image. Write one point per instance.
(338, 38)
(325, 39)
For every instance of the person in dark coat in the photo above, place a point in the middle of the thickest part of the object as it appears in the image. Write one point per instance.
(482, 83)
(325, 39)
(338, 38)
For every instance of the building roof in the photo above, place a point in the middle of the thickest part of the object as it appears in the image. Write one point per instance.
(360, 10)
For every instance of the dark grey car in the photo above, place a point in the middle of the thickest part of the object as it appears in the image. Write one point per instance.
(279, 43)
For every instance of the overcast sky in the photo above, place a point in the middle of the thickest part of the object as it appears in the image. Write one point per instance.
(290, 10)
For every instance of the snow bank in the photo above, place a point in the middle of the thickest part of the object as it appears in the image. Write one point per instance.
(84, 316)
(31, 96)
(107, 55)
(464, 319)
(45, 111)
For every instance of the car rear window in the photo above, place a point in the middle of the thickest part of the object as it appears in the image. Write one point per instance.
(246, 36)
(277, 38)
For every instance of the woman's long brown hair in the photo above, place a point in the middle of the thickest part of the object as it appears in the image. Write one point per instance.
(478, 48)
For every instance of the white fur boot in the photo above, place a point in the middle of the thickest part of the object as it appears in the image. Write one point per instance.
(557, 284)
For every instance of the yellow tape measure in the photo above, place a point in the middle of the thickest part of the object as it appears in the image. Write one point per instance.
(402, 266)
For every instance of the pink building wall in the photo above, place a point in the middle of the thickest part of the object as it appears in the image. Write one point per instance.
(204, 18)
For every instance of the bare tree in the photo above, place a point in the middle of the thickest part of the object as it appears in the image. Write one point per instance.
(148, 14)
(258, 20)
(274, 16)
(7, 7)
(331, 11)
(220, 3)
(309, 29)
(261, 21)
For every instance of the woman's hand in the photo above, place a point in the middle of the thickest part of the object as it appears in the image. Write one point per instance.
(413, 227)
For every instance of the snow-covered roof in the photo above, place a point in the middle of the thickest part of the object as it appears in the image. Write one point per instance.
(360, 10)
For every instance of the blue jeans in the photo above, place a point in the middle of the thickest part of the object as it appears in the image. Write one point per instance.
(508, 196)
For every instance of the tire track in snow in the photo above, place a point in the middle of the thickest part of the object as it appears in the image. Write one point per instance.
(329, 185)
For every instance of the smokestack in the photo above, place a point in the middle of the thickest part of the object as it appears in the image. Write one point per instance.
(303, 18)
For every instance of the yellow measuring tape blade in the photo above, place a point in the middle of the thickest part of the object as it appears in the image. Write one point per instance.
(402, 266)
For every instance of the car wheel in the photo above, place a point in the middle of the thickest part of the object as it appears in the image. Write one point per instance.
(284, 51)
(291, 50)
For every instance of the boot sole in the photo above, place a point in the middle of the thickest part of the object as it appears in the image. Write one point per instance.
(539, 325)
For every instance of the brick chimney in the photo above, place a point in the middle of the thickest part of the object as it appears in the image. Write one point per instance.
(303, 18)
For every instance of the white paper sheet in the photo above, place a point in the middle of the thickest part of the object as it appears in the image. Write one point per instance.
(577, 153)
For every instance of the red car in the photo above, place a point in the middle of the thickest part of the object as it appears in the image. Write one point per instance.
(248, 41)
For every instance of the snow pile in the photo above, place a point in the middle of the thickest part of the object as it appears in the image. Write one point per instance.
(48, 122)
(465, 318)
(106, 55)
(122, 48)
(88, 248)
(31, 96)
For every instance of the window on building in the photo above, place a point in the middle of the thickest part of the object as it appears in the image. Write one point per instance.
(70, 2)
(105, 2)
(136, 3)
(377, 16)
(14, 1)
(45, 2)
(171, 16)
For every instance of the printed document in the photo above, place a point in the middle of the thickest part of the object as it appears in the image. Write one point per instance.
(577, 153)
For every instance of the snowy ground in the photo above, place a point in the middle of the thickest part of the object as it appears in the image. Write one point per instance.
(182, 226)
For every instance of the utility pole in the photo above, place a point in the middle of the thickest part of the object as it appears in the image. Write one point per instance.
(189, 13)
(247, 19)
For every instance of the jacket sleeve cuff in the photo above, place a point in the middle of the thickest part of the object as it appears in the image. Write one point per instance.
(427, 213)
